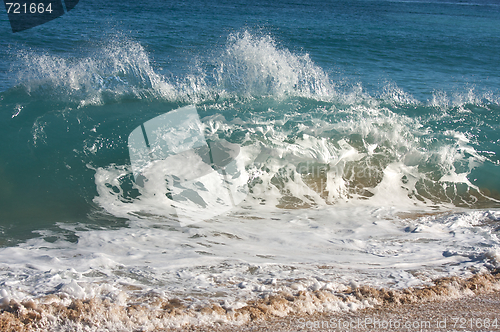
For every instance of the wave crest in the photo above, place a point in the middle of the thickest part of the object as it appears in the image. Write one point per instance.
(120, 70)
(256, 66)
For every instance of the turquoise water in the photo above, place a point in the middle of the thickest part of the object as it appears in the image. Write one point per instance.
(347, 113)
(88, 78)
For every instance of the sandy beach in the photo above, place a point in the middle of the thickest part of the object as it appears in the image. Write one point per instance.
(250, 166)
(451, 304)
(478, 311)
(470, 313)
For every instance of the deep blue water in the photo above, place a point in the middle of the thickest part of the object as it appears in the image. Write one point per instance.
(415, 81)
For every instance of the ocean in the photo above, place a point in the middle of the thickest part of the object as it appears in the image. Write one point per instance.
(213, 154)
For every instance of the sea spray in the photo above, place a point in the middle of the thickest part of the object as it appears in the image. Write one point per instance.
(348, 185)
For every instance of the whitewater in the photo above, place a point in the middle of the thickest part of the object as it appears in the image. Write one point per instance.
(341, 184)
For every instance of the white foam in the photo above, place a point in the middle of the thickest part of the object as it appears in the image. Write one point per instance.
(248, 66)
(256, 66)
(244, 255)
(347, 173)
(121, 68)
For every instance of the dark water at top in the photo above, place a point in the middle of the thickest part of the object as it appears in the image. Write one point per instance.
(417, 79)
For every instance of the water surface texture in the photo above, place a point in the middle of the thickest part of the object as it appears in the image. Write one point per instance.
(368, 133)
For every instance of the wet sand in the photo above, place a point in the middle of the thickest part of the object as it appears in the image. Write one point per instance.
(451, 304)
(479, 311)
(470, 313)
(482, 312)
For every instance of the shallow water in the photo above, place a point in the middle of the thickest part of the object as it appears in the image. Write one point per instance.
(366, 138)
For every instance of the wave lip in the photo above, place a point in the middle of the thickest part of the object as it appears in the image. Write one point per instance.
(284, 112)
(255, 66)
(119, 70)
(249, 66)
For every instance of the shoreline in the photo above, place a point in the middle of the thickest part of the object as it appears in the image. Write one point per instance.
(479, 312)
(362, 308)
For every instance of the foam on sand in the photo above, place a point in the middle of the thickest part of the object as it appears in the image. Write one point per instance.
(153, 313)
